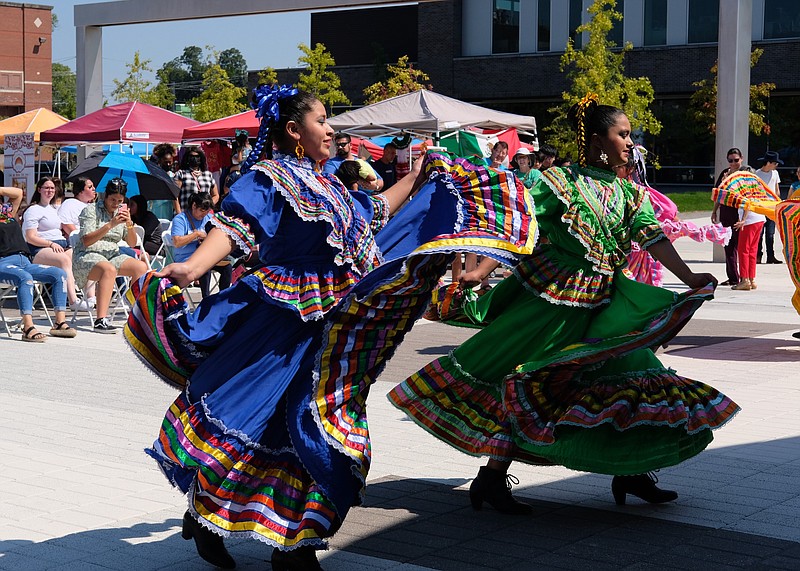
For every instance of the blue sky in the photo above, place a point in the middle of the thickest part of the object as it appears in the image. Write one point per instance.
(268, 40)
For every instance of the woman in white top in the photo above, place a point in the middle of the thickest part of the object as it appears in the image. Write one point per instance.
(42, 228)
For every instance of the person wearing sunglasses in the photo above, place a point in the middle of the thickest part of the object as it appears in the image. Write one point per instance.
(344, 145)
(194, 177)
(728, 216)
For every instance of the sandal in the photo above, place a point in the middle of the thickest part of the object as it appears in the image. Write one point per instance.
(30, 337)
(61, 329)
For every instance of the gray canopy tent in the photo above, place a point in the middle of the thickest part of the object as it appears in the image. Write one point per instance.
(426, 114)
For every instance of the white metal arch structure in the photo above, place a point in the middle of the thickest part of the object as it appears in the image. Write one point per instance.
(90, 19)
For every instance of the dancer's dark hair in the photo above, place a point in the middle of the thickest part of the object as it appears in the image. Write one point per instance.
(588, 117)
(276, 105)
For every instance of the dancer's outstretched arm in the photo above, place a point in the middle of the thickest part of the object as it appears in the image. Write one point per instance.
(399, 192)
(484, 270)
(216, 246)
(665, 252)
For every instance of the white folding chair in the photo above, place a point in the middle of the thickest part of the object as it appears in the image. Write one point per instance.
(160, 258)
(9, 291)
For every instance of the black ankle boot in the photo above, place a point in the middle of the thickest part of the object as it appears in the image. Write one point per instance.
(642, 486)
(300, 559)
(209, 545)
(494, 487)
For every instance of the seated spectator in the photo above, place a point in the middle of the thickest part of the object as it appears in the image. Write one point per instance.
(147, 220)
(498, 156)
(60, 194)
(344, 153)
(355, 174)
(71, 208)
(193, 178)
(385, 166)
(97, 255)
(16, 268)
(164, 156)
(42, 228)
(547, 155)
(188, 230)
(241, 149)
(232, 177)
(521, 163)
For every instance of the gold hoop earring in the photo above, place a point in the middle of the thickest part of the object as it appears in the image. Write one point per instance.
(300, 152)
(603, 157)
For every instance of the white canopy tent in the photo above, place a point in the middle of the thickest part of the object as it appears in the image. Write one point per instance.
(426, 114)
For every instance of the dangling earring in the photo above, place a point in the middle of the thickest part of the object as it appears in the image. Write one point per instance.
(603, 157)
(300, 152)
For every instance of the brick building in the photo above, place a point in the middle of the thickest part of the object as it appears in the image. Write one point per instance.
(505, 54)
(25, 58)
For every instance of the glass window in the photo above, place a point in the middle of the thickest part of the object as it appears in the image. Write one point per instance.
(655, 22)
(575, 13)
(543, 37)
(615, 35)
(703, 21)
(781, 19)
(505, 27)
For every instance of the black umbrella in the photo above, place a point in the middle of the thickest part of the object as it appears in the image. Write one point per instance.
(143, 177)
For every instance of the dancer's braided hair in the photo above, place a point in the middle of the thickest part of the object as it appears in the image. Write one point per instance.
(276, 105)
(588, 117)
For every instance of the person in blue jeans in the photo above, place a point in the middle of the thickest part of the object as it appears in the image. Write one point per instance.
(17, 269)
(189, 230)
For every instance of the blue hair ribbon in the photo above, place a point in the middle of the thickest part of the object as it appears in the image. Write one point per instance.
(265, 103)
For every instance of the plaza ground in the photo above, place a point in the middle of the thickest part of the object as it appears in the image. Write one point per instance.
(77, 491)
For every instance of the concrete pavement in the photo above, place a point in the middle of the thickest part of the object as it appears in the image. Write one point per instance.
(77, 492)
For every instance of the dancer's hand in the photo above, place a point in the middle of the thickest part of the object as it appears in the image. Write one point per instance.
(469, 280)
(696, 281)
(180, 273)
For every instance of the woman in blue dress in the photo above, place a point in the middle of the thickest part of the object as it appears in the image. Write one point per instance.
(269, 437)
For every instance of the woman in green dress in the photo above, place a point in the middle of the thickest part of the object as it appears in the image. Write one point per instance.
(563, 370)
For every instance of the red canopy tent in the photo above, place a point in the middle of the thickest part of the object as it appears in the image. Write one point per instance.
(125, 123)
(224, 128)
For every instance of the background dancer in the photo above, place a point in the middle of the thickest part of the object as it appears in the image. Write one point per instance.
(270, 438)
(642, 267)
(563, 371)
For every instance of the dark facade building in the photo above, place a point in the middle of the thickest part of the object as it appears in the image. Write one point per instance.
(505, 54)
(26, 81)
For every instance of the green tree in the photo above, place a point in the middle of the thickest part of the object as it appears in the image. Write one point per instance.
(317, 78)
(597, 68)
(267, 76)
(134, 87)
(704, 101)
(183, 75)
(64, 90)
(234, 64)
(402, 78)
(219, 98)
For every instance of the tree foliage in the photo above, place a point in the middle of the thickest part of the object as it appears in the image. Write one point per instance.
(597, 68)
(220, 98)
(234, 64)
(135, 86)
(267, 76)
(317, 78)
(402, 78)
(181, 79)
(64, 90)
(704, 100)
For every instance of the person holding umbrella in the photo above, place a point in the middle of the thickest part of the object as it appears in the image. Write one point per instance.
(97, 254)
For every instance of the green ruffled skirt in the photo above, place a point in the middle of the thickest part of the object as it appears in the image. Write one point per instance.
(576, 386)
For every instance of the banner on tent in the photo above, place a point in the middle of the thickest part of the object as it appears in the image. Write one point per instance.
(19, 163)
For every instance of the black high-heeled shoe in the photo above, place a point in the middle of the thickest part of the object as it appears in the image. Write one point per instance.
(494, 487)
(642, 486)
(300, 559)
(209, 545)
